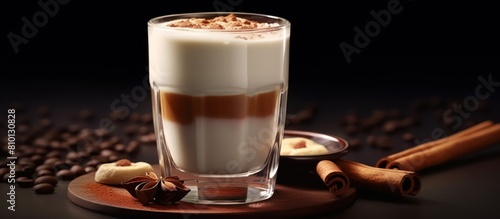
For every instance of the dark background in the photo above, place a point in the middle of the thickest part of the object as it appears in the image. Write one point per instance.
(90, 53)
(437, 45)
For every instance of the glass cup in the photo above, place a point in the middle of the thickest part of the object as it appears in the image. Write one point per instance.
(219, 105)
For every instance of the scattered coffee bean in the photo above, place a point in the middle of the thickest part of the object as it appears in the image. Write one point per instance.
(48, 167)
(45, 123)
(132, 147)
(37, 159)
(93, 163)
(370, 140)
(409, 137)
(65, 174)
(78, 170)
(27, 170)
(146, 118)
(3, 171)
(383, 142)
(44, 173)
(390, 126)
(52, 180)
(134, 117)
(302, 115)
(90, 169)
(143, 130)
(25, 182)
(52, 160)
(5, 177)
(120, 147)
(351, 118)
(55, 153)
(44, 188)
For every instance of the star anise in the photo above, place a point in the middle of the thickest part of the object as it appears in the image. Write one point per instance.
(150, 188)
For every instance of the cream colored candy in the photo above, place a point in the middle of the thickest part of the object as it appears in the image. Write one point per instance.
(301, 146)
(117, 172)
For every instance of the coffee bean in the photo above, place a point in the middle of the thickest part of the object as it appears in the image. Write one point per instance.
(409, 121)
(302, 115)
(370, 140)
(132, 147)
(5, 177)
(44, 188)
(65, 174)
(115, 157)
(42, 151)
(146, 118)
(62, 165)
(44, 173)
(120, 147)
(25, 161)
(78, 170)
(51, 160)
(114, 140)
(107, 153)
(409, 137)
(73, 156)
(45, 123)
(142, 130)
(28, 170)
(73, 128)
(134, 117)
(3, 171)
(48, 167)
(351, 118)
(383, 142)
(390, 126)
(146, 139)
(52, 180)
(130, 129)
(37, 159)
(25, 182)
(93, 163)
(102, 133)
(54, 153)
(90, 169)
(105, 145)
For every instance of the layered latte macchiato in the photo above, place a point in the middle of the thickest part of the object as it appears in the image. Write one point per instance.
(219, 88)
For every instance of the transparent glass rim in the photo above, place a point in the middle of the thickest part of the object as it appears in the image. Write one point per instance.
(157, 22)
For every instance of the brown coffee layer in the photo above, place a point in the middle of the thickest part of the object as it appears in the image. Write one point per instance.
(183, 109)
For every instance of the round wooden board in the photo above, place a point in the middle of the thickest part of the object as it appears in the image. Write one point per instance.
(287, 202)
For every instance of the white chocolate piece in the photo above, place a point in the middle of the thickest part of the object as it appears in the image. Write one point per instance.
(111, 174)
(289, 147)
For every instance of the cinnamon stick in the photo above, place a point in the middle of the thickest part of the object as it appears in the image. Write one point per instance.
(450, 149)
(333, 177)
(381, 180)
(384, 161)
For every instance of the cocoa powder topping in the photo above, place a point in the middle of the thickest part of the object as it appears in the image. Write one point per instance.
(229, 22)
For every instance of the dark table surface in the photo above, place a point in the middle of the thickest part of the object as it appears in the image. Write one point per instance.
(431, 59)
(462, 188)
